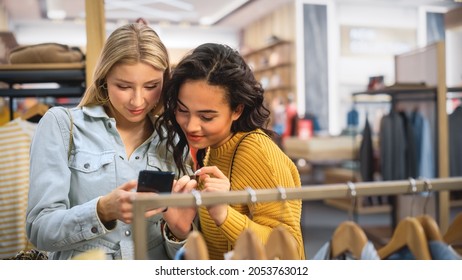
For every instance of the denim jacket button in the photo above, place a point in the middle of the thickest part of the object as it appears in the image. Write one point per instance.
(109, 125)
(86, 165)
(94, 230)
(128, 233)
(137, 157)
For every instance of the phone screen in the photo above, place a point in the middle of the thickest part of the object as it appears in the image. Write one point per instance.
(155, 181)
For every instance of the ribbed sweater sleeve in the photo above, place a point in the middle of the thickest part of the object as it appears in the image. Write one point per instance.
(259, 164)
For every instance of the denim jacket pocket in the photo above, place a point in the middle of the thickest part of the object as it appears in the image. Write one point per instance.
(88, 162)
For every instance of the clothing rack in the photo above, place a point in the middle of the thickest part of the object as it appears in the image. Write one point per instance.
(310, 192)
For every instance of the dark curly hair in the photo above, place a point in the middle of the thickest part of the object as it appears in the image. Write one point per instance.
(218, 65)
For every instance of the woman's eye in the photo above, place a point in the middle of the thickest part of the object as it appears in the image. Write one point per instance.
(152, 86)
(206, 119)
(123, 86)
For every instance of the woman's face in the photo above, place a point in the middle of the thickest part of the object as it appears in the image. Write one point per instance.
(134, 90)
(204, 115)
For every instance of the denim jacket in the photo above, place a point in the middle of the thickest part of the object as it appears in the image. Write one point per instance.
(64, 190)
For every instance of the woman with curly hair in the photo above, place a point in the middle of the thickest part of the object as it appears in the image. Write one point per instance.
(215, 105)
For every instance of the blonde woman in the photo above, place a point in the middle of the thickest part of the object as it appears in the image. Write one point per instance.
(82, 190)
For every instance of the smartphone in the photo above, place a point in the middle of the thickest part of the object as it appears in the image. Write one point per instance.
(155, 181)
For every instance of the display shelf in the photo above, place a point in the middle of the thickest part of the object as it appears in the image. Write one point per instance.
(274, 68)
(67, 80)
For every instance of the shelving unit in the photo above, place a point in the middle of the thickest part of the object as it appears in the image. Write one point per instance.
(273, 67)
(69, 76)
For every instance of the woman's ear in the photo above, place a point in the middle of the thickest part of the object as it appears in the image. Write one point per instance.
(238, 112)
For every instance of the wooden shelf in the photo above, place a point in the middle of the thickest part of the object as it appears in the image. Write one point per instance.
(265, 48)
(398, 90)
(273, 66)
(455, 203)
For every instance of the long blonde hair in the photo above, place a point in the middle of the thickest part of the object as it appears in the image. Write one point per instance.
(128, 44)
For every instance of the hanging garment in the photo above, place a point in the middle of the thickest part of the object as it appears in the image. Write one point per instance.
(366, 154)
(455, 140)
(367, 165)
(425, 150)
(410, 146)
(438, 251)
(15, 139)
(369, 253)
(392, 147)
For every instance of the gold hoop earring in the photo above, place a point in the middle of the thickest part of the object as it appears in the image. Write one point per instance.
(104, 91)
(105, 100)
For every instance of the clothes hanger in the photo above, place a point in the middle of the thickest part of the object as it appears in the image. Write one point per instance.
(348, 237)
(453, 235)
(281, 245)
(429, 225)
(408, 232)
(248, 247)
(195, 247)
(35, 112)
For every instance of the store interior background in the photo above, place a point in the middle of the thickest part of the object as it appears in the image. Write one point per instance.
(335, 46)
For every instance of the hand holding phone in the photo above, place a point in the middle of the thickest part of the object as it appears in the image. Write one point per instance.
(155, 181)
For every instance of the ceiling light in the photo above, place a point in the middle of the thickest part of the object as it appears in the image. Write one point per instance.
(56, 14)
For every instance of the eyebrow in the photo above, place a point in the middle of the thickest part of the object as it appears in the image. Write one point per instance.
(200, 111)
(148, 82)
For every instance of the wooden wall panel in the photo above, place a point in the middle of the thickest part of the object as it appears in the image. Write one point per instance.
(280, 23)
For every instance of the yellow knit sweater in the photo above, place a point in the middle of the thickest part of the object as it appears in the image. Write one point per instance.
(260, 164)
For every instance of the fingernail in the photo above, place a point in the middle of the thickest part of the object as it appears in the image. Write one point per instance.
(197, 172)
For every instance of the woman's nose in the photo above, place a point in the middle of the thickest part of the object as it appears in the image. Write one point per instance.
(193, 124)
(137, 98)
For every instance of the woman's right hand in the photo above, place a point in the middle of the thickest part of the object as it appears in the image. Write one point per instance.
(118, 204)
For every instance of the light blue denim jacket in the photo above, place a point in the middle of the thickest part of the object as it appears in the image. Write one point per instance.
(61, 214)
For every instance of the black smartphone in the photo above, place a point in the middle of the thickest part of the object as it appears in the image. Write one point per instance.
(155, 181)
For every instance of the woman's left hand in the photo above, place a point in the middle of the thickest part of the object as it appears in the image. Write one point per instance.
(180, 219)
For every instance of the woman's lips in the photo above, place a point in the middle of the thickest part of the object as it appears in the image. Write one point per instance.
(194, 138)
(136, 112)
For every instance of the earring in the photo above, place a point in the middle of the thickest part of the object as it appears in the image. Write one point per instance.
(104, 92)
(105, 100)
